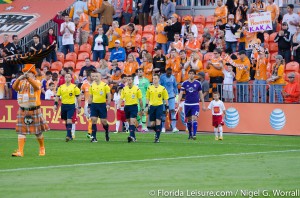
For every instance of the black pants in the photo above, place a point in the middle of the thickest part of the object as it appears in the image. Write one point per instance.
(286, 54)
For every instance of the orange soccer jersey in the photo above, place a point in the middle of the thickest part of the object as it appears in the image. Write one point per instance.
(279, 73)
(200, 69)
(193, 45)
(178, 45)
(84, 18)
(243, 74)
(129, 37)
(274, 9)
(214, 72)
(160, 37)
(112, 38)
(220, 12)
(174, 64)
(85, 90)
(261, 69)
(148, 69)
(130, 67)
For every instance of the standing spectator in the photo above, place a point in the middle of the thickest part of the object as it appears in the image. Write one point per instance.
(131, 66)
(118, 5)
(251, 40)
(92, 6)
(130, 33)
(172, 27)
(221, 12)
(276, 80)
(35, 48)
(207, 44)
(50, 39)
(241, 12)
(118, 53)
(188, 27)
(177, 44)
(147, 65)
(99, 45)
(83, 26)
(291, 18)
(127, 10)
(67, 29)
(228, 83)
(156, 12)
(6, 45)
(161, 35)
(114, 33)
(259, 85)
(296, 44)
(242, 77)
(159, 62)
(106, 11)
(192, 45)
(205, 86)
(77, 6)
(232, 6)
(291, 91)
(274, 9)
(230, 30)
(58, 20)
(3, 86)
(194, 63)
(283, 38)
(258, 6)
(143, 9)
(87, 66)
(168, 9)
(15, 44)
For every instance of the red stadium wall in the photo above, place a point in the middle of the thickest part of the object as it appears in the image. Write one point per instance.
(252, 118)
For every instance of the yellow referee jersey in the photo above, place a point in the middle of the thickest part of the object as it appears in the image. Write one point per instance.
(156, 95)
(99, 92)
(131, 95)
(68, 93)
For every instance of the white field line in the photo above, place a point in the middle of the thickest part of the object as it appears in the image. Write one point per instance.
(143, 160)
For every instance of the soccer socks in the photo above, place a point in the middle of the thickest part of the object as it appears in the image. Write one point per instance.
(173, 120)
(195, 127)
(126, 125)
(221, 131)
(40, 139)
(132, 130)
(189, 126)
(69, 128)
(73, 129)
(90, 126)
(216, 131)
(144, 121)
(106, 129)
(94, 130)
(157, 131)
(21, 143)
(117, 125)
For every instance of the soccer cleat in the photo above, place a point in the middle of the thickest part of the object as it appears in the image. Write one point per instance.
(145, 129)
(17, 153)
(163, 130)
(127, 131)
(175, 130)
(94, 140)
(216, 138)
(106, 138)
(131, 139)
(139, 128)
(42, 151)
(194, 138)
(156, 140)
(220, 138)
(89, 136)
(73, 135)
(68, 139)
(116, 132)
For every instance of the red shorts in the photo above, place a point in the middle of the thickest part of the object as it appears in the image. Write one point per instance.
(74, 118)
(121, 115)
(217, 120)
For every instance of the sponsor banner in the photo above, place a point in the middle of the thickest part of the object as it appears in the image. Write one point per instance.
(253, 118)
(260, 22)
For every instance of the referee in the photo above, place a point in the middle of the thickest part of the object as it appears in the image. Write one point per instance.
(155, 96)
(131, 94)
(68, 92)
(99, 103)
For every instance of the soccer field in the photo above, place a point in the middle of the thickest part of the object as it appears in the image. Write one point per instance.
(239, 166)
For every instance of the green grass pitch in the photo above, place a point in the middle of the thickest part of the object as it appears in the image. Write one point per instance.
(241, 164)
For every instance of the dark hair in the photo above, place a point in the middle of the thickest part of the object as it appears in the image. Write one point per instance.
(291, 6)
(71, 68)
(228, 51)
(156, 74)
(87, 58)
(65, 14)
(218, 51)
(192, 71)
(130, 76)
(182, 51)
(123, 76)
(169, 69)
(66, 69)
(36, 36)
(48, 73)
(14, 36)
(216, 92)
(173, 50)
(55, 74)
(140, 69)
(51, 84)
(140, 56)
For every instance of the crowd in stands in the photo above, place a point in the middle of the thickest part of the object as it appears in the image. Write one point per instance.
(243, 66)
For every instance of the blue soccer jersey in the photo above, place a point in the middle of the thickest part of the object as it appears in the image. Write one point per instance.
(191, 91)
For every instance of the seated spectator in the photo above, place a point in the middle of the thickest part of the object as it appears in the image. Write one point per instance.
(147, 65)
(50, 39)
(83, 26)
(141, 57)
(103, 70)
(99, 45)
(3, 86)
(144, 45)
(129, 48)
(283, 38)
(44, 84)
(115, 78)
(114, 33)
(192, 45)
(159, 62)
(87, 66)
(130, 33)
(114, 67)
(194, 63)
(50, 93)
(161, 35)
(291, 91)
(177, 44)
(207, 45)
(131, 65)
(174, 63)
(118, 53)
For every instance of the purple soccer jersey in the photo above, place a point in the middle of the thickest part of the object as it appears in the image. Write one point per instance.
(191, 91)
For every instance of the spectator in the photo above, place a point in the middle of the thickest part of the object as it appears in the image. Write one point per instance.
(228, 83)
(168, 9)
(143, 10)
(62, 80)
(50, 93)
(159, 62)
(230, 30)
(6, 44)
(204, 86)
(144, 45)
(15, 44)
(192, 45)
(232, 6)
(3, 86)
(207, 45)
(115, 78)
(277, 81)
(296, 44)
(188, 27)
(127, 10)
(14, 93)
(147, 65)
(76, 34)
(129, 48)
(183, 60)
(291, 18)
(50, 39)
(77, 6)
(87, 66)
(283, 38)
(274, 9)
(172, 27)
(242, 77)
(131, 65)
(241, 12)
(130, 33)
(177, 44)
(103, 70)
(193, 63)
(48, 76)
(161, 35)
(141, 57)
(99, 45)
(67, 29)
(94, 5)
(118, 53)
(258, 6)
(58, 20)
(114, 33)
(291, 91)
(118, 5)
(219, 40)
(83, 26)
(106, 11)
(251, 40)
(174, 63)
(221, 12)
(54, 79)
(156, 12)
(35, 48)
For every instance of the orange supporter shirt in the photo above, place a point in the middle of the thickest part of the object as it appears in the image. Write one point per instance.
(279, 73)
(85, 89)
(293, 89)
(2, 86)
(112, 38)
(84, 18)
(250, 39)
(29, 92)
(144, 46)
(160, 37)
(93, 5)
(274, 9)
(243, 74)
(115, 78)
(129, 37)
(200, 69)
(261, 69)
(130, 67)
(178, 46)
(212, 71)
(193, 45)
(148, 69)
(220, 12)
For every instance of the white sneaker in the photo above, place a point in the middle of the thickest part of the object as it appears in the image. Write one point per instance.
(175, 130)
(163, 130)
(145, 129)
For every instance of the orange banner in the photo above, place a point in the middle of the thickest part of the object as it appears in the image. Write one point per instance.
(253, 118)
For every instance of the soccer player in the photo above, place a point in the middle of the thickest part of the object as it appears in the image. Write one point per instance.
(193, 92)
(120, 110)
(30, 118)
(132, 96)
(143, 84)
(99, 103)
(68, 92)
(155, 97)
(217, 107)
